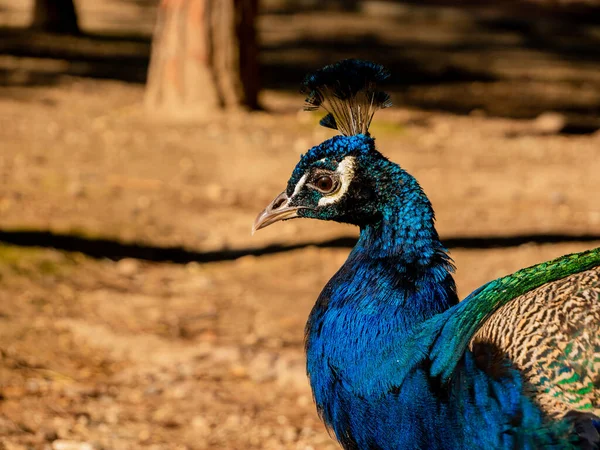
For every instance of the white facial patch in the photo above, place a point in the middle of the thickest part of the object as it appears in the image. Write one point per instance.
(345, 171)
(299, 184)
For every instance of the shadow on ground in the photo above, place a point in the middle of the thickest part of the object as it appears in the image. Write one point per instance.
(116, 250)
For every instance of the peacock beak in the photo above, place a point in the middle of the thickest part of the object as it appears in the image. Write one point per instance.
(277, 210)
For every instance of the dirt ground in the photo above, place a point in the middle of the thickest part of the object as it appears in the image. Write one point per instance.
(206, 353)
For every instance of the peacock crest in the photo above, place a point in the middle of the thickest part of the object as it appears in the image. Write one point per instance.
(348, 91)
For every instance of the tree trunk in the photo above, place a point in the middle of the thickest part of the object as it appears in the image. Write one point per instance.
(204, 57)
(55, 16)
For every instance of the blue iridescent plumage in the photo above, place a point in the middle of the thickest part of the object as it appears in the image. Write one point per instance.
(389, 347)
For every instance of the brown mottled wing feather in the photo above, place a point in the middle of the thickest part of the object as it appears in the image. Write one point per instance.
(551, 334)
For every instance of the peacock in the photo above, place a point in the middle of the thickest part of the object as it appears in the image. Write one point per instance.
(394, 359)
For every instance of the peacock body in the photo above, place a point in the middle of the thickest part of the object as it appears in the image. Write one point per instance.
(394, 360)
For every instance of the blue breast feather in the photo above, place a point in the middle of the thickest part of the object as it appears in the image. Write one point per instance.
(374, 378)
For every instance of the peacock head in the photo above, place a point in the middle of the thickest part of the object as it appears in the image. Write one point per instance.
(341, 179)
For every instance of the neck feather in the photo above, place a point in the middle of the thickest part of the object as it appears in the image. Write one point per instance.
(404, 234)
(398, 268)
(397, 276)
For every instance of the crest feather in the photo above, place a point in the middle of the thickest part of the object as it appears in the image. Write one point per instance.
(347, 90)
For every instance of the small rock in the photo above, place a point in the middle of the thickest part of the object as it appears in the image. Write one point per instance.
(226, 354)
(201, 425)
(153, 389)
(71, 445)
(478, 112)
(128, 266)
(239, 371)
(144, 435)
(262, 367)
(32, 386)
(48, 435)
(290, 434)
(193, 267)
(550, 122)
(214, 192)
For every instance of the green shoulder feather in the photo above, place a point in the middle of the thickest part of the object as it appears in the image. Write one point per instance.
(463, 321)
(444, 338)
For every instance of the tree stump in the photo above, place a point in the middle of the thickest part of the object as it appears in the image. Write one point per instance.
(204, 57)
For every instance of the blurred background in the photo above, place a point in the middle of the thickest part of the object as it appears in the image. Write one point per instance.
(140, 138)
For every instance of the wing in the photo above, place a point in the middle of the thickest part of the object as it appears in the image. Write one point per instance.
(552, 335)
(460, 323)
(443, 340)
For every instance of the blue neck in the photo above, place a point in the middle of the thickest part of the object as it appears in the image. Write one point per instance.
(398, 263)
(397, 276)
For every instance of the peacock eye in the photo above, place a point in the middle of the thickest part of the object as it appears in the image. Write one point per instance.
(325, 184)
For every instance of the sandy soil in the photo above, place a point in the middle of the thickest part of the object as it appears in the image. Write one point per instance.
(135, 353)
